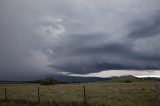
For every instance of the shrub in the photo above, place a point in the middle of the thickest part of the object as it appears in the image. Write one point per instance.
(49, 81)
(128, 81)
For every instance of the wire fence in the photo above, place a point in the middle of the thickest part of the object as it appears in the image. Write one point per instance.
(89, 93)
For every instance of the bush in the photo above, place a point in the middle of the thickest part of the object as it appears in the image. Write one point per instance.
(49, 81)
(128, 81)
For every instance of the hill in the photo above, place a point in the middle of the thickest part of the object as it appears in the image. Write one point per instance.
(77, 79)
(129, 79)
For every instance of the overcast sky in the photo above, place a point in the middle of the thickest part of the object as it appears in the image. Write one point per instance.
(39, 37)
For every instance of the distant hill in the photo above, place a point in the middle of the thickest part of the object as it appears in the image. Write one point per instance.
(78, 79)
(25, 82)
(20, 82)
(130, 79)
(114, 79)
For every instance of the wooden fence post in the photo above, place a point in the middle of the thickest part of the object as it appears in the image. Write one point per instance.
(38, 95)
(5, 94)
(158, 90)
(84, 94)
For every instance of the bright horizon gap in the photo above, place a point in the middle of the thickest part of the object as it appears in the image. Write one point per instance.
(110, 73)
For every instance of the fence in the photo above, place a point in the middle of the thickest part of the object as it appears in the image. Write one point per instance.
(89, 93)
(158, 90)
(21, 92)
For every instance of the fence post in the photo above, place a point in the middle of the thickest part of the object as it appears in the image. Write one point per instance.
(5, 94)
(158, 90)
(38, 95)
(84, 94)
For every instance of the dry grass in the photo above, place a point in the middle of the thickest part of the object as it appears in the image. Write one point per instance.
(97, 94)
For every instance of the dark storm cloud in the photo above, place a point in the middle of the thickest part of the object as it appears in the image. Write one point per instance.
(146, 28)
(81, 56)
(88, 68)
(78, 36)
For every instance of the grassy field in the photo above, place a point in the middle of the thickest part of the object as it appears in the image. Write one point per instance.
(97, 94)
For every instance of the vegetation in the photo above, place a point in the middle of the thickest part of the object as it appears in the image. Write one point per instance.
(97, 94)
(129, 79)
(49, 81)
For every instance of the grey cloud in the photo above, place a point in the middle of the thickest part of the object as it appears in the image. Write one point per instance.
(78, 55)
(146, 28)
(78, 36)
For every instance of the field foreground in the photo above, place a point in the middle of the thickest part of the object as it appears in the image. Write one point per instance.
(96, 94)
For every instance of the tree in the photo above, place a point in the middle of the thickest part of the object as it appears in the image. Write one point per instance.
(49, 81)
(128, 81)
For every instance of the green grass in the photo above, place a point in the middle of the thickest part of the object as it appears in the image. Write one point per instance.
(97, 94)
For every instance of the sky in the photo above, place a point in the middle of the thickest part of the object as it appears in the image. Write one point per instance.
(79, 37)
